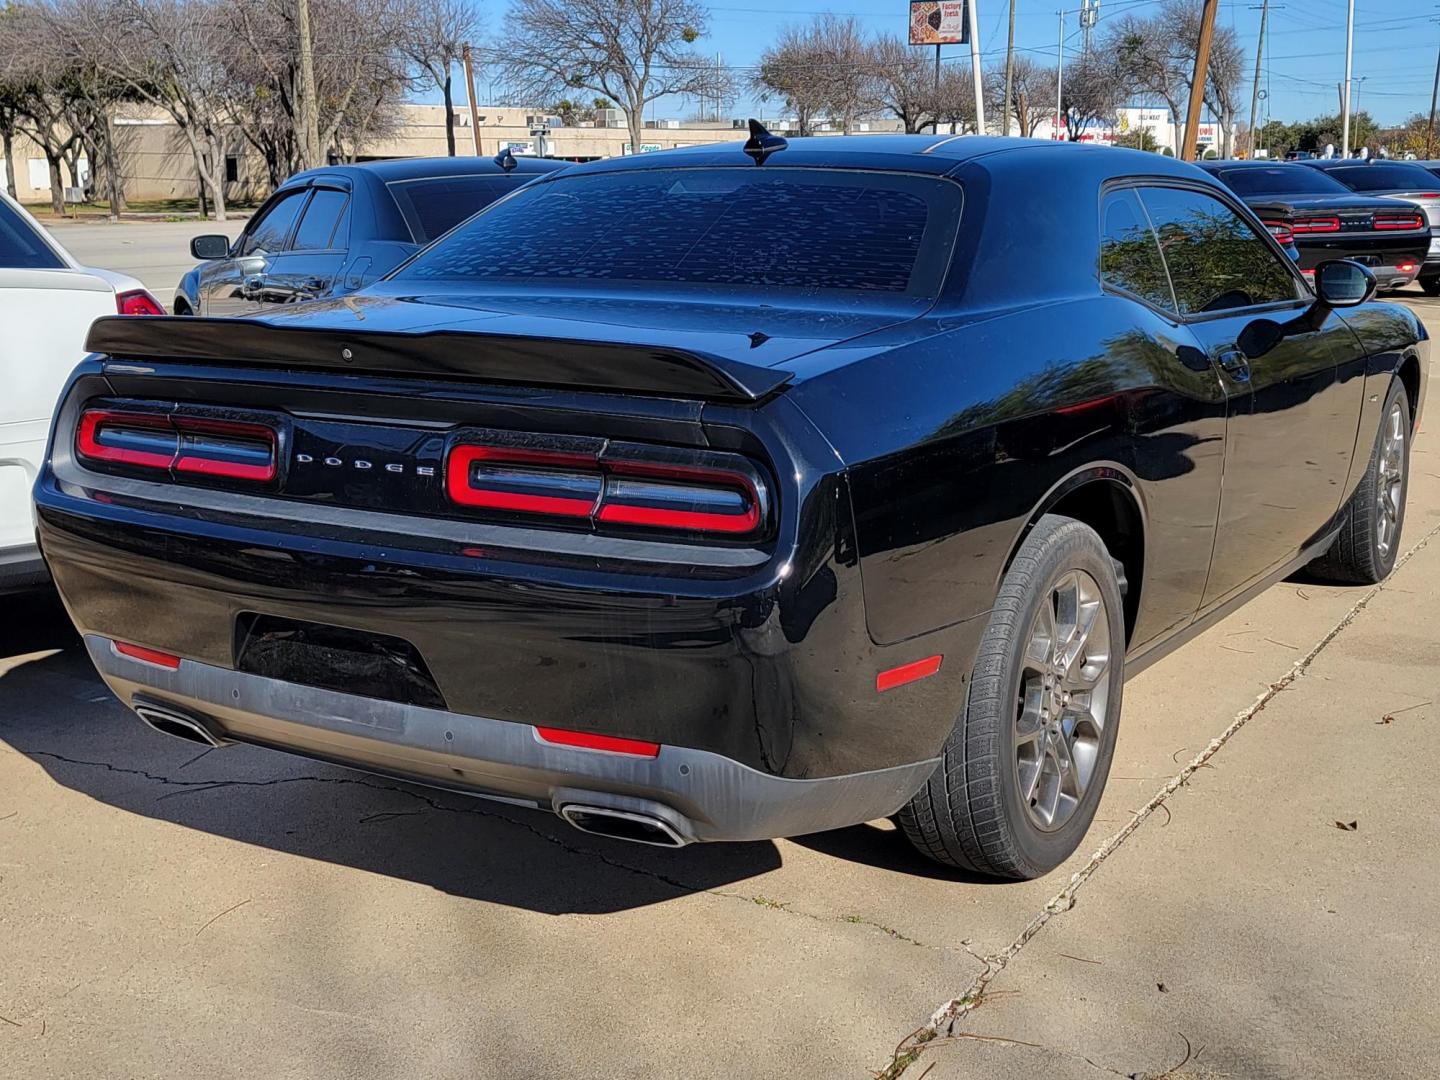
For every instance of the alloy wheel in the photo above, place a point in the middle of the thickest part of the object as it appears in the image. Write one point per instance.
(1063, 696)
(1390, 483)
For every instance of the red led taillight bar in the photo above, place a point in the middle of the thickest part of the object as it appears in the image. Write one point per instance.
(614, 484)
(176, 442)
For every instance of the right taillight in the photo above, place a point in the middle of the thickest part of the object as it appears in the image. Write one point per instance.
(606, 484)
(1391, 221)
(1280, 231)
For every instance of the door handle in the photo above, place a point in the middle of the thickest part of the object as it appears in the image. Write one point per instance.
(1235, 363)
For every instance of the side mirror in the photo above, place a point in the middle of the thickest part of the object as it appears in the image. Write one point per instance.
(1342, 283)
(210, 246)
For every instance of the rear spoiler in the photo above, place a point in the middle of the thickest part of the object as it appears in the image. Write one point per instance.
(651, 370)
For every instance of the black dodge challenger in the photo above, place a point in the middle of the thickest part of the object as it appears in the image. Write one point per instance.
(732, 493)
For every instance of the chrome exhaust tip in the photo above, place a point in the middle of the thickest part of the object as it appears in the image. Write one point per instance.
(623, 825)
(169, 721)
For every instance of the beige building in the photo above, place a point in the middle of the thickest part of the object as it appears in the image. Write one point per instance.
(156, 161)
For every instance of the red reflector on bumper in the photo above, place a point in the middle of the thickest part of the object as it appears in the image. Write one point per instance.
(611, 743)
(907, 673)
(150, 656)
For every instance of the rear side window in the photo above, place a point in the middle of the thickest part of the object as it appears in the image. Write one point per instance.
(1129, 252)
(1217, 262)
(433, 207)
(21, 248)
(320, 225)
(798, 230)
(269, 233)
(1396, 176)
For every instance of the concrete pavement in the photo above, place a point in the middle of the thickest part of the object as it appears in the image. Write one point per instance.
(239, 913)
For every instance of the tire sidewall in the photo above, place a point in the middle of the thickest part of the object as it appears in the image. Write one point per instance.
(1074, 547)
(1386, 563)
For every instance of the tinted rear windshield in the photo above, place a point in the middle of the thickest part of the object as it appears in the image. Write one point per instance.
(20, 247)
(1281, 180)
(433, 207)
(1398, 176)
(799, 231)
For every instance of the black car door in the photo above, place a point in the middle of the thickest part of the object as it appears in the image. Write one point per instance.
(317, 251)
(1294, 403)
(230, 286)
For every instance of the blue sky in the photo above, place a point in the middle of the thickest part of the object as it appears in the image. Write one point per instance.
(1395, 44)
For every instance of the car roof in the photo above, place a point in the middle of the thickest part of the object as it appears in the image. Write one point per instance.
(421, 168)
(1238, 163)
(924, 154)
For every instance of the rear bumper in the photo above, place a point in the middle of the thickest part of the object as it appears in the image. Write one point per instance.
(701, 795)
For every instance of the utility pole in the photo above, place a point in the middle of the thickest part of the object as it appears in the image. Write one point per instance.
(1060, 80)
(1197, 85)
(974, 36)
(307, 106)
(470, 97)
(1434, 93)
(1255, 90)
(1349, 56)
(1009, 67)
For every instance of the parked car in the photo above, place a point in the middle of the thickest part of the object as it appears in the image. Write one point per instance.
(47, 302)
(696, 500)
(330, 231)
(1401, 180)
(1326, 220)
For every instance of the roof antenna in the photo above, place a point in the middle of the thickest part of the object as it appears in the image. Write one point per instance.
(506, 159)
(761, 143)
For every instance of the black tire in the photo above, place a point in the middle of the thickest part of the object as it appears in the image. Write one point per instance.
(1360, 554)
(971, 813)
(182, 308)
(1431, 285)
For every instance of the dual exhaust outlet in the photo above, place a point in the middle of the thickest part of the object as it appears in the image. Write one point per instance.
(636, 826)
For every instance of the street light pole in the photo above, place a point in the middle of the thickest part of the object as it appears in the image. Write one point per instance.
(1060, 133)
(1434, 93)
(1349, 56)
(1009, 69)
(975, 68)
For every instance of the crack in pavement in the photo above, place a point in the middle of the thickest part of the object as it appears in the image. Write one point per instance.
(195, 787)
(942, 1021)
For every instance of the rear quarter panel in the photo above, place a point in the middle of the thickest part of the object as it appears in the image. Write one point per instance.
(957, 440)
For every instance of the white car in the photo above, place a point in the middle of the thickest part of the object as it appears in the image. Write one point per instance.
(47, 303)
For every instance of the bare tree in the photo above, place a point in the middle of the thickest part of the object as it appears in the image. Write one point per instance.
(1151, 60)
(903, 82)
(37, 65)
(433, 34)
(954, 102)
(1092, 92)
(1032, 93)
(793, 70)
(631, 51)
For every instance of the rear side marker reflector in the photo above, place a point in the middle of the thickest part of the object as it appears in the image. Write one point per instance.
(907, 673)
(228, 449)
(609, 743)
(149, 656)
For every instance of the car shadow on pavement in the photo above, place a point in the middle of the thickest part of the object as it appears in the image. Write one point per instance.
(55, 710)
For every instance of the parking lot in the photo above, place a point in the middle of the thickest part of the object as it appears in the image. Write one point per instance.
(1256, 897)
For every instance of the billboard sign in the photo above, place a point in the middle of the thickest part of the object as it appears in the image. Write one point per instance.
(939, 22)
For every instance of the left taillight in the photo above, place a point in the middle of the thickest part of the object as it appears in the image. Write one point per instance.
(1324, 224)
(177, 443)
(137, 302)
(596, 483)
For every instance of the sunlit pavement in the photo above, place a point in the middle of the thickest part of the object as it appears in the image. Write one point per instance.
(238, 913)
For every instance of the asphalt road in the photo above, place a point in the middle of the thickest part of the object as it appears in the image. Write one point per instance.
(239, 913)
(155, 252)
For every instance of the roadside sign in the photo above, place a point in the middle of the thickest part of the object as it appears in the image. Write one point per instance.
(939, 22)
